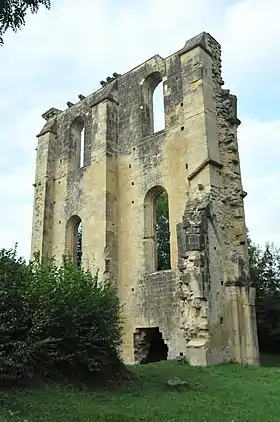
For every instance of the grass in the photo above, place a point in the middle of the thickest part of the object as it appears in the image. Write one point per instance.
(226, 393)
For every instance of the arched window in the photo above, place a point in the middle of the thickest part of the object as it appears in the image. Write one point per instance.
(73, 243)
(153, 104)
(158, 108)
(82, 148)
(77, 151)
(156, 230)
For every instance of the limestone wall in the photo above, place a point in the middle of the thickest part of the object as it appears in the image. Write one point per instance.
(195, 160)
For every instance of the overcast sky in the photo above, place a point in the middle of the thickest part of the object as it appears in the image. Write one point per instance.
(68, 50)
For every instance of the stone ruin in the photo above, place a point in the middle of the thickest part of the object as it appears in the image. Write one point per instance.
(101, 163)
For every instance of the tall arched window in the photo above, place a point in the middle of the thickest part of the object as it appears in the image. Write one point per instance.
(77, 152)
(153, 104)
(156, 230)
(158, 108)
(82, 148)
(73, 241)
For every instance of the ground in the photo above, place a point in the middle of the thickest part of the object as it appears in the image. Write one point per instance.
(227, 393)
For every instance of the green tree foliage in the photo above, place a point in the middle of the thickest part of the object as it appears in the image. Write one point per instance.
(13, 13)
(14, 315)
(265, 274)
(56, 320)
(162, 232)
(80, 245)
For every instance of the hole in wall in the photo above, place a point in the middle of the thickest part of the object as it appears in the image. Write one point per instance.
(132, 202)
(221, 320)
(222, 282)
(60, 160)
(129, 166)
(182, 104)
(182, 128)
(187, 166)
(149, 345)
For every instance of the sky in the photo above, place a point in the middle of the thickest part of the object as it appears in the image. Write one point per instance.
(68, 50)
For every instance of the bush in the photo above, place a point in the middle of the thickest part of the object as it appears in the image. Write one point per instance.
(64, 321)
(14, 316)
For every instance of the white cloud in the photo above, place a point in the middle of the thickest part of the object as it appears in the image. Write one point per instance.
(259, 149)
(70, 49)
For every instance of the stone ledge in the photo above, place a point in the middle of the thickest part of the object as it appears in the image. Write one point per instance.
(205, 163)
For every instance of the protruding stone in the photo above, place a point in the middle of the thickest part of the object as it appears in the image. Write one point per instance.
(81, 97)
(176, 384)
(69, 104)
(51, 112)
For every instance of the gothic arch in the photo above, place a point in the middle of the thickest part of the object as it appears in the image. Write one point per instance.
(151, 245)
(73, 239)
(153, 105)
(77, 133)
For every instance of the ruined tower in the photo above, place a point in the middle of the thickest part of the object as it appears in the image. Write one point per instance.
(101, 162)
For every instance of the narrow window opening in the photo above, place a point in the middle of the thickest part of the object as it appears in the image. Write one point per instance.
(79, 244)
(77, 150)
(162, 230)
(157, 230)
(82, 147)
(158, 108)
(74, 240)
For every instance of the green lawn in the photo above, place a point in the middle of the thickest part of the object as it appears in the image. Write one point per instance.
(227, 393)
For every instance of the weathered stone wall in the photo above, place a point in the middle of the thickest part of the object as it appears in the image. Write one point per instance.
(195, 159)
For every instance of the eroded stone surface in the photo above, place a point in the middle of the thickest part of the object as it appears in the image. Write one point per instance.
(204, 306)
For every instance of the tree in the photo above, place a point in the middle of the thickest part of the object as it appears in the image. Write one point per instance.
(13, 13)
(80, 245)
(265, 275)
(162, 232)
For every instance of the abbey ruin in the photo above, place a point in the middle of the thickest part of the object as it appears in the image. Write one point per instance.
(100, 162)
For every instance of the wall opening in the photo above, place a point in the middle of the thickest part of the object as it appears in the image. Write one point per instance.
(149, 345)
(156, 230)
(82, 148)
(77, 150)
(158, 108)
(153, 104)
(79, 244)
(74, 240)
